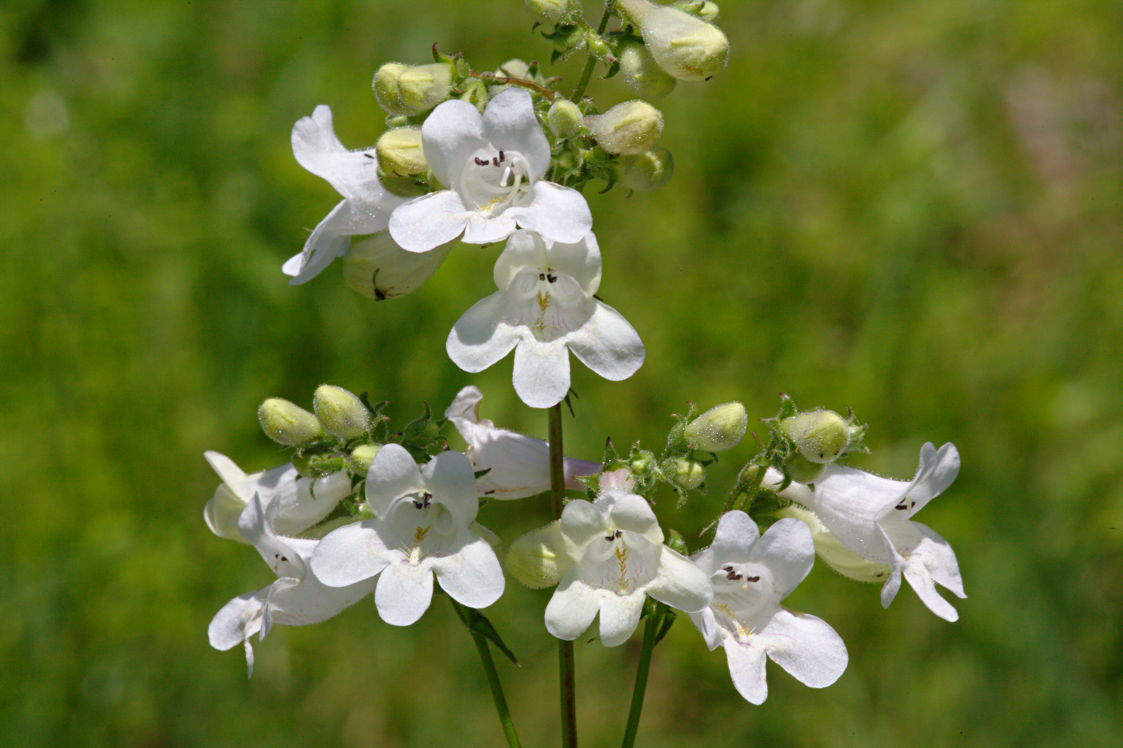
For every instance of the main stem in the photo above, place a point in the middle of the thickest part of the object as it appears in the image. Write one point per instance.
(566, 669)
(587, 73)
(650, 631)
(492, 678)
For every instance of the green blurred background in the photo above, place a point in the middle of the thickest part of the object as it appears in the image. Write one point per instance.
(911, 208)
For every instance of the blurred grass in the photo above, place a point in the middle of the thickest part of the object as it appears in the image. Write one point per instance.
(910, 208)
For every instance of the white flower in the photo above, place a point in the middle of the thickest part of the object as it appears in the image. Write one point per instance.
(545, 308)
(615, 556)
(366, 205)
(300, 502)
(423, 525)
(872, 516)
(297, 598)
(493, 166)
(518, 465)
(751, 574)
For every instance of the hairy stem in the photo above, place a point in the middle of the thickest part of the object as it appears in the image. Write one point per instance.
(492, 678)
(650, 632)
(566, 669)
(587, 73)
(549, 93)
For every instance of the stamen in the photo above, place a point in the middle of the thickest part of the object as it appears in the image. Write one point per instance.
(495, 161)
(752, 579)
(506, 175)
(481, 161)
(369, 155)
(501, 157)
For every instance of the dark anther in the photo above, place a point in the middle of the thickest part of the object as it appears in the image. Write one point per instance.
(551, 277)
(613, 536)
(495, 161)
(732, 576)
(489, 492)
(727, 568)
(369, 155)
(501, 157)
(541, 276)
(481, 161)
(619, 533)
(424, 501)
(752, 579)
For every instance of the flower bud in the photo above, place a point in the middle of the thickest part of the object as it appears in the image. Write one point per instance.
(378, 268)
(551, 11)
(833, 553)
(514, 68)
(631, 127)
(647, 172)
(801, 470)
(684, 473)
(719, 428)
(412, 89)
(684, 46)
(288, 424)
(642, 462)
(340, 411)
(819, 435)
(399, 152)
(564, 118)
(361, 457)
(538, 559)
(704, 9)
(642, 74)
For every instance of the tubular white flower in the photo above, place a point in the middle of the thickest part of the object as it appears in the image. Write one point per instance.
(750, 576)
(366, 205)
(872, 516)
(614, 558)
(300, 502)
(423, 526)
(518, 465)
(493, 165)
(545, 308)
(297, 598)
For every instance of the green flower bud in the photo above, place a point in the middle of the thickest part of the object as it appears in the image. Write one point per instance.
(361, 457)
(378, 268)
(288, 424)
(719, 428)
(642, 74)
(551, 11)
(647, 172)
(514, 68)
(801, 470)
(684, 46)
(399, 152)
(412, 89)
(642, 462)
(819, 435)
(684, 473)
(538, 559)
(833, 553)
(564, 118)
(340, 411)
(704, 9)
(631, 127)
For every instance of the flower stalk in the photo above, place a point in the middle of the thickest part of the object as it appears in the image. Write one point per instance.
(567, 680)
(591, 63)
(492, 677)
(650, 639)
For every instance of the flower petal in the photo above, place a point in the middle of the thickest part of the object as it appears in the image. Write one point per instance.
(788, 551)
(680, 583)
(473, 576)
(627, 511)
(392, 474)
(558, 213)
(708, 626)
(581, 521)
(221, 514)
(350, 554)
(330, 239)
(450, 135)
(607, 344)
(619, 616)
(525, 249)
(428, 221)
(937, 471)
(850, 502)
(452, 482)
(485, 230)
(814, 653)
(541, 372)
(746, 667)
(736, 534)
(509, 123)
(581, 260)
(312, 602)
(238, 620)
(403, 593)
(572, 608)
(255, 524)
(318, 150)
(480, 337)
